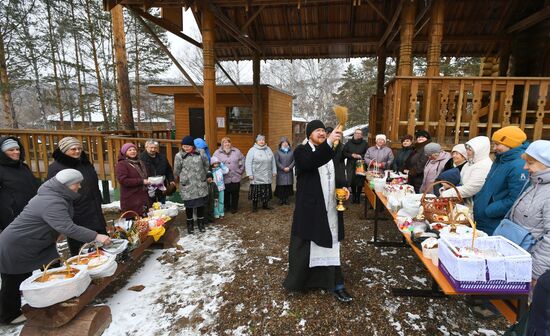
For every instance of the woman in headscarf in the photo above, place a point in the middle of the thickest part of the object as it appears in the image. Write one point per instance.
(17, 183)
(132, 175)
(379, 154)
(190, 168)
(260, 167)
(284, 158)
(29, 242)
(87, 208)
(233, 159)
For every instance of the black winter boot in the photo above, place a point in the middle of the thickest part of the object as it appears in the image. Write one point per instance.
(190, 226)
(200, 224)
(254, 206)
(266, 206)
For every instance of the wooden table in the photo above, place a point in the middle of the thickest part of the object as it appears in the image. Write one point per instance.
(75, 316)
(510, 305)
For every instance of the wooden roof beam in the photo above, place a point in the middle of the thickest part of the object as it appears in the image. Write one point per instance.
(361, 41)
(161, 45)
(252, 18)
(416, 22)
(390, 26)
(530, 21)
(233, 30)
(379, 12)
(166, 25)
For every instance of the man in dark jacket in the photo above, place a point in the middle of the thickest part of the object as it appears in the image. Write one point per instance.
(17, 183)
(28, 242)
(354, 150)
(158, 165)
(505, 180)
(414, 166)
(87, 208)
(317, 228)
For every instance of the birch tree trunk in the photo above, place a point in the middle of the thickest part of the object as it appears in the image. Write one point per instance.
(54, 65)
(78, 67)
(7, 104)
(96, 64)
(136, 77)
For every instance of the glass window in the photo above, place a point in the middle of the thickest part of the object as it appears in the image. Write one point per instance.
(239, 120)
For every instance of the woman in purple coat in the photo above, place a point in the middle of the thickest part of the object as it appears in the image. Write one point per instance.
(132, 175)
(233, 159)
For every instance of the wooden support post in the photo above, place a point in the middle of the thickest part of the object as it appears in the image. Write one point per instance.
(504, 60)
(123, 83)
(407, 31)
(256, 97)
(209, 75)
(443, 109)
(380, 79)
(434, 38)
(166, 50)
(476, 102)
(541, 103)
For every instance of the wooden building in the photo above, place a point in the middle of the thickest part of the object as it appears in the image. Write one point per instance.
(235, 117)
(511, 33)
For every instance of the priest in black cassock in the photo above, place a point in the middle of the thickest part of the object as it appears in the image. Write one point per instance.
(317, 227)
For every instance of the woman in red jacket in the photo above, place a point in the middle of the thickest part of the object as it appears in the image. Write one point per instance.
(132, 175)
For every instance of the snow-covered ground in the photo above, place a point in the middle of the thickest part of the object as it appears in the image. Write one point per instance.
(182, 293)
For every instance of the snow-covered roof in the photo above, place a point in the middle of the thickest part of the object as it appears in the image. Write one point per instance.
(298, 119)
(98, 117)
(349, 132)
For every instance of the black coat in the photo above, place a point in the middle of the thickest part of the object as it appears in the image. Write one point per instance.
(87, 209)
(415, 164)
(401, 157)
(354, 147)
(158, 166)
(310, 221)
(539, 314)
(17, 185)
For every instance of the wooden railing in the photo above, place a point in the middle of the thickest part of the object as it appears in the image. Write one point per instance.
(455, 109)
(103, 149)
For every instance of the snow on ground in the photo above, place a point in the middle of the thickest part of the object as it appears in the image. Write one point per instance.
(115, 206)
(182, 293)
(182, 288)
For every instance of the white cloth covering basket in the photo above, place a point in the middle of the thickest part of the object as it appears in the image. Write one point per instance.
(45, 294)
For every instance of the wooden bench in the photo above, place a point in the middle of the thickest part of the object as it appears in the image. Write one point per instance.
(511, 306)
(74, 316)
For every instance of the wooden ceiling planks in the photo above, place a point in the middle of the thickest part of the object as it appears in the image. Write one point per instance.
(347, 28)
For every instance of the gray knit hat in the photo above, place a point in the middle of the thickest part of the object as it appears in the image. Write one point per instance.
(67, 142)
(432, 148)
(69, 176)
(9, 144)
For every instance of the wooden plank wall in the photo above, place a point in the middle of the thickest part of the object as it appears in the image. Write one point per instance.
(276, 116)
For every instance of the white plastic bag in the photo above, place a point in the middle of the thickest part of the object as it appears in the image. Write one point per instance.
(106, 264)
(45, 294)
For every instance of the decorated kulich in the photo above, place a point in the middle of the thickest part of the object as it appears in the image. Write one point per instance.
(92, 260)
(47, 276)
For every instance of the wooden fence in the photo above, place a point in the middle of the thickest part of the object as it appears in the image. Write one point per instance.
(103, 148)
(455, 109)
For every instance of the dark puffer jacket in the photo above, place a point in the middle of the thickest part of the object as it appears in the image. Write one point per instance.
(87, 209)
(17, 185)
(415, 165)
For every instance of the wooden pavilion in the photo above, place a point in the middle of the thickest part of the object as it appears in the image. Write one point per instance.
(511, 36)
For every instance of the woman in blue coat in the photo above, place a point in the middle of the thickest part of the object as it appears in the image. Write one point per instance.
(504, 181)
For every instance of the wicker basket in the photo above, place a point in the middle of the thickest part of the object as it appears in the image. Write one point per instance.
(440, 209)
(373, 171)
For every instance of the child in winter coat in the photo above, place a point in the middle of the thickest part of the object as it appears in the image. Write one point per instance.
(212, 198)
(218, 171)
